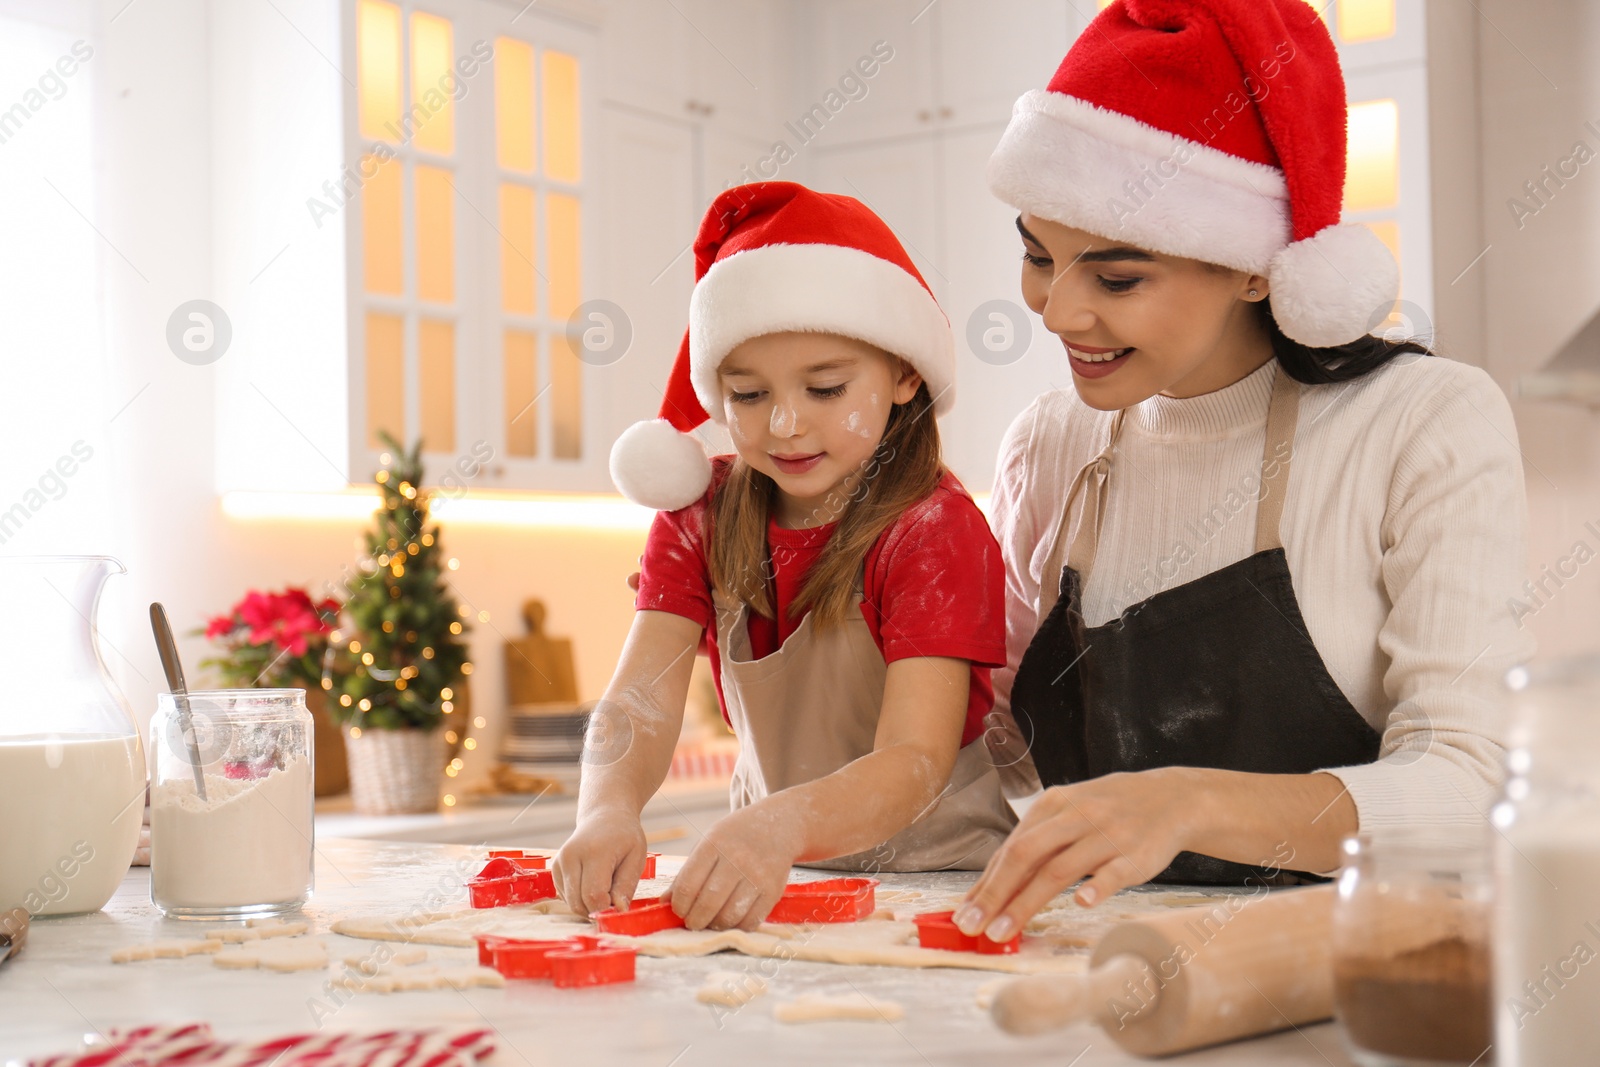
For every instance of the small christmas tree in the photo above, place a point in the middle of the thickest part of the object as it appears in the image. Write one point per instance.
(395, 668)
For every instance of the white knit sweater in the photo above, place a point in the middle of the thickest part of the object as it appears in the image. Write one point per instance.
(1405, 527)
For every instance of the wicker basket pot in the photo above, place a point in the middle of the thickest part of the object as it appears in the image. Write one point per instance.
(395, 772)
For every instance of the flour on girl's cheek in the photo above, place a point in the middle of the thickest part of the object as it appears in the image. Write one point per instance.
(853, 423)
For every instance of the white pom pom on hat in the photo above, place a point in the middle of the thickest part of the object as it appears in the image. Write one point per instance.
(775, 257)
(1227, 145)
(656, 465)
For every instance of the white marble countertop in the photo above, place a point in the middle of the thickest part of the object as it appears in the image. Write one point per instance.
(64, 985)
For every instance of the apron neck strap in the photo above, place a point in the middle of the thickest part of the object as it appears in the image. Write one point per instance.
(1283, 413)
(1093, 480)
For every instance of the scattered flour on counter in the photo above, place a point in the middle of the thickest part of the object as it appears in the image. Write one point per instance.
(730, 989)
(248, 842)
(822, 1007)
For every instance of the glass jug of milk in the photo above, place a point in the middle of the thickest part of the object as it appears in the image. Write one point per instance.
(72, 770)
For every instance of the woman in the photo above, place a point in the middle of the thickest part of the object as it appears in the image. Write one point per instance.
(1258, 561)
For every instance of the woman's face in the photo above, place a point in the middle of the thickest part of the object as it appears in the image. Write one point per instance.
(808, 410)
(1181, 327)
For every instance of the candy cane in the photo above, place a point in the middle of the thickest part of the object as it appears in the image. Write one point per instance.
(194, 1045)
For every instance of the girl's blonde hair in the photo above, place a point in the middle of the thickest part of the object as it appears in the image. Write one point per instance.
(904, 468)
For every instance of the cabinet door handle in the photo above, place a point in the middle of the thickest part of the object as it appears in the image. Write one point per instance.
(946, 113)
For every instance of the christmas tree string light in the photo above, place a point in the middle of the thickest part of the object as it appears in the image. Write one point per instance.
(401, 652)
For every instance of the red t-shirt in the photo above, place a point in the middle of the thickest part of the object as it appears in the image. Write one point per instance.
(935, 585)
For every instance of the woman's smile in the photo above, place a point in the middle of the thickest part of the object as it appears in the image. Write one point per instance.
(1093, 362)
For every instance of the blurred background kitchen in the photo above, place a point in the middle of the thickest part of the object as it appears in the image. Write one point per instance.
(244, 237)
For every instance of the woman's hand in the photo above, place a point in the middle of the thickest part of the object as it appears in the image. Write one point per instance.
(1115, 831)
(600, 864)
(737, 873)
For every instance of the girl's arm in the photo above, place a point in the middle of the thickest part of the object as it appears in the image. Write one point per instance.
(626, 755)
(735, 876)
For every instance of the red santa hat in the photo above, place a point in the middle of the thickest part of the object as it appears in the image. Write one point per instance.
(776, 257)
(1213, 130)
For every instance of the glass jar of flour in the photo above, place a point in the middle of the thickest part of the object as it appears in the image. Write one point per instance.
(244, 847)
(1547, 870)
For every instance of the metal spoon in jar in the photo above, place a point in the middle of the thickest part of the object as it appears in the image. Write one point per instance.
(180, 693)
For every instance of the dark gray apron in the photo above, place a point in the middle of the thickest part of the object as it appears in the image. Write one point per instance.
(1218, 672)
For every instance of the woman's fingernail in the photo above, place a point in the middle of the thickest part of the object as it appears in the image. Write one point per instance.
(1087, 896)
(1001, 929)
(968, 919)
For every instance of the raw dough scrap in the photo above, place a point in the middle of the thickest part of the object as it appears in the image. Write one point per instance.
(400, 957)
(984, 997)
(306, 955)
(259, 929)
(166, 950)
(821, 1007)
(730, 989)
(404, 979)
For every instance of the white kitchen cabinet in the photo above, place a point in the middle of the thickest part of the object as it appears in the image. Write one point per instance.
(916, 155)
(930, 190)
(645, 238)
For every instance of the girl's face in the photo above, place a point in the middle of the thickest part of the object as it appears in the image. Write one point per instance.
(808, 411)
(1187, 327)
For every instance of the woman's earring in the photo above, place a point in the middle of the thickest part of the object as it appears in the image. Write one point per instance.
(1254, 293)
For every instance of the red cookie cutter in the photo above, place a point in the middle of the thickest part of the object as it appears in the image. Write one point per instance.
(935, 930)
(644, 916)
(832, 900)
(522, 958)
(528, 860)
(505, 880)
(591, 965)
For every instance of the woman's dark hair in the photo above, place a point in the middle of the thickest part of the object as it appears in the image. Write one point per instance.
(1315, 366)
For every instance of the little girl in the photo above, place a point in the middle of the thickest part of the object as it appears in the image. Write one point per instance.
(847, 588)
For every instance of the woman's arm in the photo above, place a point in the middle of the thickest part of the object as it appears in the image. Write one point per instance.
(1124, 829)
(735, 876)
(626, 755)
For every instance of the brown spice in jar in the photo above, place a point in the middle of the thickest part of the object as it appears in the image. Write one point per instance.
(1431, 1002)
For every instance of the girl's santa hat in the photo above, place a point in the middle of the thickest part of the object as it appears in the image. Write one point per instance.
(1213, 130)
(776, 257)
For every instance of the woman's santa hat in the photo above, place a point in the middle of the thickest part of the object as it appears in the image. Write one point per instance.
(775, 257)
(1212, 130)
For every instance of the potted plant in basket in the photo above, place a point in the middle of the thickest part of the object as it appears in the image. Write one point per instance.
(279, 640)
(400, 658)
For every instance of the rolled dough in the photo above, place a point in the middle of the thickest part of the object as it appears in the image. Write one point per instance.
(296, 955)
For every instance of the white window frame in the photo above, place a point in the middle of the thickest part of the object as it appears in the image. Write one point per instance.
(476, 310)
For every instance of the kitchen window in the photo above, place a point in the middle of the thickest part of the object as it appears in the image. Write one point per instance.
(468, 252)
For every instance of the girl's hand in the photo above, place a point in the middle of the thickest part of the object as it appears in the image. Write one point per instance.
(737, 873)
(600, 864)
(1115, 831)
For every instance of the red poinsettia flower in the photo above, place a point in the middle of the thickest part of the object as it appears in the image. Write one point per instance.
(287, 619)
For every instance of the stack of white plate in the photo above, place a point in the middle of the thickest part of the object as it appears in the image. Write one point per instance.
(546, 741)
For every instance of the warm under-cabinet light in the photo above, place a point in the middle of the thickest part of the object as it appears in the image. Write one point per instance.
(532, 510)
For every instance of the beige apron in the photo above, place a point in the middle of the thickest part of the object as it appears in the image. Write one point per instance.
(811, 707)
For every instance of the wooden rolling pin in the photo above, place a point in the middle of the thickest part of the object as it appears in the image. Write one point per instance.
(1196, 976)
